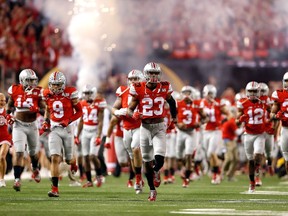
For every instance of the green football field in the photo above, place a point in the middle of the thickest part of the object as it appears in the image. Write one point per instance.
(114, 198)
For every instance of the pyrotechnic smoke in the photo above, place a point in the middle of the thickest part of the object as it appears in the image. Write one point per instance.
(124, 34)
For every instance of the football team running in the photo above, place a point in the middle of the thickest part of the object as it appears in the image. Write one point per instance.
(156, 129)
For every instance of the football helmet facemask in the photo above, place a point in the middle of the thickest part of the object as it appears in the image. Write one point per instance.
(264, 89)
(89, 92)
(187, 92)
(209, 91)
(252, 90)
(238, 96)
(134, 76)
(57, 82)
(28, 79)
(152, 72)
(285, 81)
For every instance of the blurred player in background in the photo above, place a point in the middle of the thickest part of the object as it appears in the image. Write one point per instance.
(90, 125)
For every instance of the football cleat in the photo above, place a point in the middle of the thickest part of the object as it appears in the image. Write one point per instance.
(87, 184)
(36, 175)
(258, 181)
(171, 179)
(216, 179)
(166, 180)
(98, 182)
(152, 196)
(251, 187)
(82, 178)
(17, 185)
(74, 184)
(139, 183)
(130, 183)
(185, 183)
(2, 183)
(74, 168)
(54, 192)
(157, 179)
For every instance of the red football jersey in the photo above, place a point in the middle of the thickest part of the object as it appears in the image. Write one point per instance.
(187, 114)
(267, 100)
(213, 111)
(90, 111)
(281, 97)
(256, 113)
(23, 100)
(151, 102)
(60, 105)
(4, 134)
(128, 123)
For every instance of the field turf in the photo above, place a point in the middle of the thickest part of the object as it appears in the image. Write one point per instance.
(114, 198)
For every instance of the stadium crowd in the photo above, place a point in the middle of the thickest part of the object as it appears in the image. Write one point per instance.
(180, 135)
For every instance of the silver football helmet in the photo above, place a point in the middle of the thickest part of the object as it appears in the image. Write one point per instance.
(252, 90)
(135, 76)
(209, 91)
(57, 82)
(89, 92)
(264, 89)
(285, 81)
(238, 96)
(152, 72)
(187, 92)
(28, 79)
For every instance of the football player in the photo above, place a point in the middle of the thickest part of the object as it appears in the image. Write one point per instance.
(131, 127)
(279, 112)
(25, 99)
(170, 156)
(150, 97)
(269, 132)
(90, 125)
(188, 121)
(62, 108)
(120, 150)
(214, 108)
(251, 112)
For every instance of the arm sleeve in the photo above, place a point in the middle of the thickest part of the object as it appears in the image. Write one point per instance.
(172, 104)
(78, 113)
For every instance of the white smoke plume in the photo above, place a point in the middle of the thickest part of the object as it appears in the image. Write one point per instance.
(123, 34)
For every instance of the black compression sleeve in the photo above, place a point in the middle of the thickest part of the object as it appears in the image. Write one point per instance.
(173, 109)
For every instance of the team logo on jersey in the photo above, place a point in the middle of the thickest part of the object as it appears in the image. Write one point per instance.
(163, 90)
(2, 120)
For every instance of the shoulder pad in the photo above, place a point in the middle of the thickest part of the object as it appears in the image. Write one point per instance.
(165, 83)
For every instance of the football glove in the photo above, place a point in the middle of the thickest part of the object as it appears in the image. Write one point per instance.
(76, 140)
(97, 141)
(10, 119)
